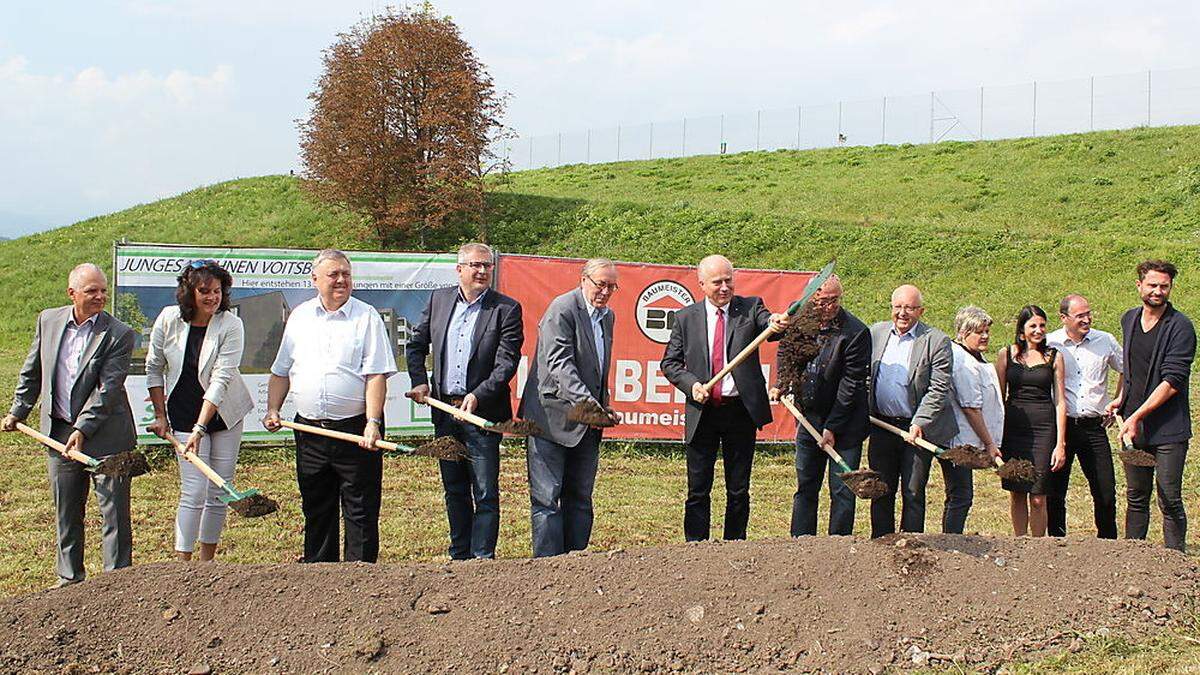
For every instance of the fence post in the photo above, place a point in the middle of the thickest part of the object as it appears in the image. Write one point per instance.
(722, 133)
(588, 156)
(981, 113)
(799, 119)
(683, 145)
(531, 152)
(758, 130)
(651, 140)
(1148, 90)
(931, 117)
(618, 142)
(559, 161)
(839, 136)
(1092, 103)
(883, 122)
(1035, 107)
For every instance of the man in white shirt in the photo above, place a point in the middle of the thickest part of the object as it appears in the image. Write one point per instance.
(335, 359)
(1088, 356)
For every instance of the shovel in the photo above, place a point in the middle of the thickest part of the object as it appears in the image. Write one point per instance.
(443, 447)
(1018, 469)
(864, 483)
(514, 427)
(249, 503)
(121, 465)
(809, 289)
(1130, 455)
(966, 456)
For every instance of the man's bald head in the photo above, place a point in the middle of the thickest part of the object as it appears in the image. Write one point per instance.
(907, 307)
(87, 287)
(716, 279)
(82, 273)
(828, 298)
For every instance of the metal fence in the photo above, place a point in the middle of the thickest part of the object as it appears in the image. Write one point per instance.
(1150, 98)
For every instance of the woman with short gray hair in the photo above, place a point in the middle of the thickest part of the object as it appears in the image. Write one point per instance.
(978, 410)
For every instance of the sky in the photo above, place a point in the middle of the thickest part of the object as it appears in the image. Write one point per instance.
(110, 103)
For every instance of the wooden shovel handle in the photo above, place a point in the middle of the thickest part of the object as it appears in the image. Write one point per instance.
(904, 434)
(1120, 423)
(458, 412)
(46, 440)
(196, 461)
(787, 403)
(340, 435)
(737, 360)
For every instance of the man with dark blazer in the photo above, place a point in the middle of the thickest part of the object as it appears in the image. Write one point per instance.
(705, 336)
(475, 334)
(77, 366)
(832, 395)
(1160, 344)
(911, 388)
(571, 365)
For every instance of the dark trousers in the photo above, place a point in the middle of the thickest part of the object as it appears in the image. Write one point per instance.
(904, 467)
(561, 480)
(332, 472)
(960, 494)
(472, 489)
(1087, 441)
(69, 483)
(812, 464)
(727, 428)
(1167, 476)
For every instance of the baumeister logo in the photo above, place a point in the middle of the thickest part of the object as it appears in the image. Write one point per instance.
(656, 307)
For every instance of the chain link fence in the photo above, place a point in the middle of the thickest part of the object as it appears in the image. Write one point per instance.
(1150, 98)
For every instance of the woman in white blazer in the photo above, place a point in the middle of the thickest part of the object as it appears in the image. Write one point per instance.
(199, 396)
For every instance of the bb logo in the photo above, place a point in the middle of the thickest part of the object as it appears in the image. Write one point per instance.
(656, 307)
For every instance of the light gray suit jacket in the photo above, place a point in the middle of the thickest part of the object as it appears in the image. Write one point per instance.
(930, 379)
(566, 369)
(99, 404)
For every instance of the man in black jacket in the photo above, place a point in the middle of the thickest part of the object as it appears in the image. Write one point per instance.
(832, 394)
(1160, 344)
(706, 335)
(475, 334)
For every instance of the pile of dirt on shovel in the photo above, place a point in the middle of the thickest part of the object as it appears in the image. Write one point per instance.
(828, 603)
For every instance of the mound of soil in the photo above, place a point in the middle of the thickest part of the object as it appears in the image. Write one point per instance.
(828, 603)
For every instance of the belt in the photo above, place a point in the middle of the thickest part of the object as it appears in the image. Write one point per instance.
(903, 422)
(725, 400)
(1093, 421)
(330, 424)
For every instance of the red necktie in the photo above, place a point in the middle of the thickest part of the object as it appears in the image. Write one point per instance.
(718, 353)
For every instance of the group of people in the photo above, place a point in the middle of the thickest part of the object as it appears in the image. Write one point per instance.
(1046, 400)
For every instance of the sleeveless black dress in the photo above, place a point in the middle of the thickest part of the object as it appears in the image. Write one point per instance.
(1030, 427)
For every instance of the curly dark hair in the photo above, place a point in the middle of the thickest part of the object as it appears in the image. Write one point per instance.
(194, 274)
(1156, 266)
(1028, 312)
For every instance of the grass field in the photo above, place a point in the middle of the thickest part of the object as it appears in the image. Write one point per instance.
(998, 224)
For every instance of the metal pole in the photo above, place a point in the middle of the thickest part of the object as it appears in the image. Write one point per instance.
(722, 130)
(683, 145)
(589, 148)
(1148, 90)
(883, 122)
(531, 152)
(757, 130)
(981, 113)
(799, 119)
(1092, 104)
(839, 121)
(1035, 108)
(651, 141)
(618, 142)
(559, 161)
(931, 117)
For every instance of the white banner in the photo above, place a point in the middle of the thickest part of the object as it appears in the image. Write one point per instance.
(267, 285)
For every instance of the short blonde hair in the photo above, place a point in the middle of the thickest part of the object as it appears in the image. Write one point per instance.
(971, 319)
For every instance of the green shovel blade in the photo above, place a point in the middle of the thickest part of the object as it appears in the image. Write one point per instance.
(233, 495)
(811, 287)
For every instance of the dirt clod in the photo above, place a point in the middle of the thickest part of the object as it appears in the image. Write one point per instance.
(124, 464)
(969, 457)
(254, 506)
(1021, 470)
(442, 447)
(518, 428)
(1135, 457)
(797, 348)
(590, 413)
(865, 483)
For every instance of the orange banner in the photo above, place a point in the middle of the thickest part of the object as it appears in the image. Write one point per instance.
(645, 309)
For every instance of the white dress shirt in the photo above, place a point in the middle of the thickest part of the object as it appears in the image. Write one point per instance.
(1085, 369)
(728, 386)
(596, 317)
(328, 356)
(459, 343)
(976, 386)
(891, 381)
(66, 370)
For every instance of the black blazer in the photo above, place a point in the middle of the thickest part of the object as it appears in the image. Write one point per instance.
(842, 369)
(1174, 349)
(686, 362)
(495, 350)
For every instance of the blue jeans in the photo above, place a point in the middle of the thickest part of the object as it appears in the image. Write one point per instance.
(811, 463)
(960, 493)
(472, 488)
(561, 480)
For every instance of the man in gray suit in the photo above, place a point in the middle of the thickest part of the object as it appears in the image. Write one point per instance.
(77, 365)
(570, 365)
(911, 388)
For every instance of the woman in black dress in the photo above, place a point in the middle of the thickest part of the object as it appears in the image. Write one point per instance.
(1035, 417)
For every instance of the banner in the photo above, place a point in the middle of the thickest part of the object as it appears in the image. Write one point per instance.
(267, 285)
(644, 306)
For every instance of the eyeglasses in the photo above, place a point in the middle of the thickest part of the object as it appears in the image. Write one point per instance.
(827, 301)
(602, 286)
(1081, 315)
(909, 309)
(197, 264)
(479, 265)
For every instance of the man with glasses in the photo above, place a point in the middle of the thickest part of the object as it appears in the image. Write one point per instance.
(833, 397)
(475, 334)
(335, 359)
(705, 336)
(570, 366)
(911, 388)
(1088, 356)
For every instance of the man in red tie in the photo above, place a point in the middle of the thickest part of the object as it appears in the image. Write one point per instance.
(706, 335)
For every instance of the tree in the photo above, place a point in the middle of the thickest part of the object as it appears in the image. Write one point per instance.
(400, 126)
(127, 309)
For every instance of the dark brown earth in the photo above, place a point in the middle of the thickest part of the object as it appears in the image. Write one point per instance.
(830, 603)
(124, 464)
(1021, 470)
(1135, 457)
(255, 506)
(590, 413)
(518, 428)
(442, 447)
(969, 456)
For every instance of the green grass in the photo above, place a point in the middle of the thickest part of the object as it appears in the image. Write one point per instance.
(997, 224)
